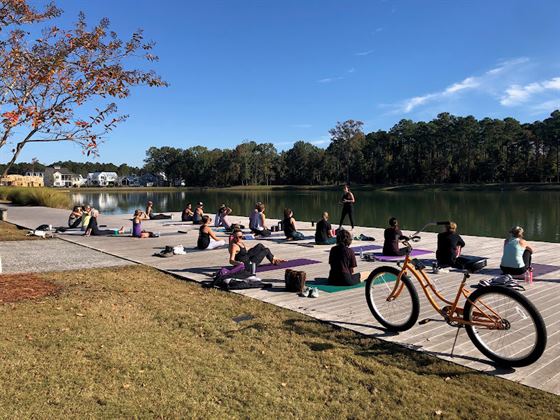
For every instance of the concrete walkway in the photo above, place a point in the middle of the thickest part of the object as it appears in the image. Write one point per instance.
(52, 255)
(348, 308)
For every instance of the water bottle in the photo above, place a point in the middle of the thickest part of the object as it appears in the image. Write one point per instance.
(253, 268)
(361, 254)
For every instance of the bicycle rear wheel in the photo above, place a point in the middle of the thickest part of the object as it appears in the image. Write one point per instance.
(395, 314)
(519, 336)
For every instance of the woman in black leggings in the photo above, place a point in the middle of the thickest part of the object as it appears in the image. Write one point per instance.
(239, 254)
(347, 201)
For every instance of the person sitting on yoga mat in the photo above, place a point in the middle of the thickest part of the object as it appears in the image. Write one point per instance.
(347, 202)
(93, 229)
(343, 261)
(152, 216)
(137, 231)
(222, 217)
(198, 213)
(75, 218)
(239, 254)
(187, 215)
(449, 245)
(207, 239)
(257, 222)
(289, 225)
(86, 216)
(516, 259)
(323, 231)
(392, 237)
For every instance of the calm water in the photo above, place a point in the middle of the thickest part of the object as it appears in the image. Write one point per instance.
(477, 213)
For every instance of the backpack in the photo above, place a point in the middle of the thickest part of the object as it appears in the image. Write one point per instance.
(295, 280)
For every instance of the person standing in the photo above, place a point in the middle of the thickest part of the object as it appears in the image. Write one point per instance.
(347, 201)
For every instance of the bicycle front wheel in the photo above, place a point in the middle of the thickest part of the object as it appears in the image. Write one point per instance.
(505, 326)
(393, 301)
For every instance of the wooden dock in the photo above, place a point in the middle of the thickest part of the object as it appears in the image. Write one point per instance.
(347, 309)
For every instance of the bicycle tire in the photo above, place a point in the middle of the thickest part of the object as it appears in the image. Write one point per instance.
(525, 314)
(404, 319)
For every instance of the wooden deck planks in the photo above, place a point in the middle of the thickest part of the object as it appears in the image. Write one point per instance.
(347, 309)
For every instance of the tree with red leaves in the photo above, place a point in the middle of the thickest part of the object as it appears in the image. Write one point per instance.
(47, 84)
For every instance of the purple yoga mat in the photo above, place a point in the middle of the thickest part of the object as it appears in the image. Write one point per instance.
(542, 269)
(359, 248)
(414, 253)
(287, 264)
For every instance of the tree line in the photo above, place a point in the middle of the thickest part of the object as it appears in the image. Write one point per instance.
(448, 149)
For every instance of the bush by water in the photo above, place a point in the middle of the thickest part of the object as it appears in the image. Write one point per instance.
(46, 197)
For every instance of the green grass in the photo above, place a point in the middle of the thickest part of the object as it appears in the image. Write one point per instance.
(46, 197)
(133, 342)
(9, 232)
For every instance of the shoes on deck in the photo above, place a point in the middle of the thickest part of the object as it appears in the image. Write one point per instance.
(314, 293)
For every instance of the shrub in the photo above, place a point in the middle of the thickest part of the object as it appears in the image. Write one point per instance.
(46, 197)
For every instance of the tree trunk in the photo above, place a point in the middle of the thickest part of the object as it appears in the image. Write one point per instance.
(18, 150)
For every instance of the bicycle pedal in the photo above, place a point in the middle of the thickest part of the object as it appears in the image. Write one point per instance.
(425, 321)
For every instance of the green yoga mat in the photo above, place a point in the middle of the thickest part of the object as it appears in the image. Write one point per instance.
(323, 284)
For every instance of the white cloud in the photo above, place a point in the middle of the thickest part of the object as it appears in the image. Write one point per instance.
(330, 79)
(319, 142)
(518, 94)
(546, 106)
(364, 53)
(471, 83)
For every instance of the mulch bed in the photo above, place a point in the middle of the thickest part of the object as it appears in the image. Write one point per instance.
(16, 287)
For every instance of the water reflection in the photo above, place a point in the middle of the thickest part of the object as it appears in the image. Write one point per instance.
(477, 213)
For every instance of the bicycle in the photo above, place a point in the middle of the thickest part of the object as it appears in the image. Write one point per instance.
(502, 323)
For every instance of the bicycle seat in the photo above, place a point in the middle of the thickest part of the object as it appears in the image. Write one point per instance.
(471, 263)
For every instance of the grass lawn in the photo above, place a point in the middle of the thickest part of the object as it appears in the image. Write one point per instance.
(133, 342)
(9, 232)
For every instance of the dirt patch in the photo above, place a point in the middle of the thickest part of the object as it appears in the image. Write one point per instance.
(16, 287)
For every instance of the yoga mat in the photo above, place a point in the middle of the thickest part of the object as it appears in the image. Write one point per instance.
(288, 264)
(324, 285)
(542, 269)
(358, 248)
(388, 258)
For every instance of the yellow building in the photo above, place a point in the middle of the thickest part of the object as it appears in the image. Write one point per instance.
(21, 181)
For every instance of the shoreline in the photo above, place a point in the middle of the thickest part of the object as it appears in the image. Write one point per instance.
(496, 187)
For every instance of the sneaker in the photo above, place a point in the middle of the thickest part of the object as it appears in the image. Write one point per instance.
(444, 270)
(314, 292)
(305, 292)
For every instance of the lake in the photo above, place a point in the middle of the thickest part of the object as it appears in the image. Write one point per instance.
(477, 213)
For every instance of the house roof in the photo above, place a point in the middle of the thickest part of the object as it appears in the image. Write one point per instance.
(63, 171)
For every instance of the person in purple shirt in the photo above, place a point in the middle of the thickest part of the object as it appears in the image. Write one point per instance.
(137, 231)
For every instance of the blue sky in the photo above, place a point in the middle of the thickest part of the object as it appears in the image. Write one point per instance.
(289, 70)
